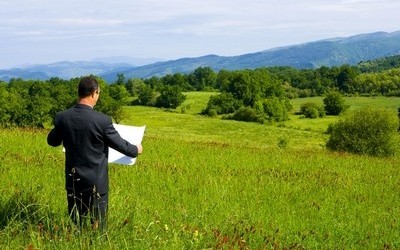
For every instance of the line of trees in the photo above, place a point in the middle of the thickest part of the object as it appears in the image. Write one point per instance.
(30, 103)
(261, 94)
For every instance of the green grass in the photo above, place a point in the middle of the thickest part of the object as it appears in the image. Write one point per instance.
(195, 102)
(206, 183)
(354, 102)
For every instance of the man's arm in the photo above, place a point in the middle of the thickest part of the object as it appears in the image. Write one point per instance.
(53, 138)
(116, 142)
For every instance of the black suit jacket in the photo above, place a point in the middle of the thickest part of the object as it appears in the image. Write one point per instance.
(86, 135)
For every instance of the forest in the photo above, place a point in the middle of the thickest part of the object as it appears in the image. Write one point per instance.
(261, 94)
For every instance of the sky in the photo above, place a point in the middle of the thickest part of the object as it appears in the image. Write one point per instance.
(46, 31)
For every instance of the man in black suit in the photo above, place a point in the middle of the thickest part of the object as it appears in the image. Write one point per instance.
(86, 135)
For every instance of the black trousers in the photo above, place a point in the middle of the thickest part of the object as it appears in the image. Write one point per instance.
(88, 208)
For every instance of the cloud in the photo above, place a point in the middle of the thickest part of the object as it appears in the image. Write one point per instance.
(85, 21)
(180, 28)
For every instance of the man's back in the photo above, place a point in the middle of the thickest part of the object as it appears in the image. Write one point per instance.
(86, 136)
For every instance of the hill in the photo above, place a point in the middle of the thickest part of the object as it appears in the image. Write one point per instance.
(329, 52)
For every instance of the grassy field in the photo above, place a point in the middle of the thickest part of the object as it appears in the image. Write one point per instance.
(207, 183)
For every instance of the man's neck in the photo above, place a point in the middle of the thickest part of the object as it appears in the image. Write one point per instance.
(87, 102)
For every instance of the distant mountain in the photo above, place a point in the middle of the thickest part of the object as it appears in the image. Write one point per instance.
(127, 60)
(64, 70)
(329, 52)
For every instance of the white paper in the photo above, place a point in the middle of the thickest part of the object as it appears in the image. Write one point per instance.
(132, 134)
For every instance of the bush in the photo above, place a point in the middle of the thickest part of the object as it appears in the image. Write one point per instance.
(334, 103)
(312, 110)
(366, 131)
(246, 114)
(210, 112)
(274, 109)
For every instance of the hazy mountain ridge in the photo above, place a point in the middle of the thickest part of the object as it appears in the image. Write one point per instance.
(64, 70)
(327, 52)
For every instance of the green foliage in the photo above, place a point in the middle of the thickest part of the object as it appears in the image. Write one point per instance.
(365, 131)
(203, 79)
(120, 79)
(247, 114)
(312, 110)
(379, 65)
(334, 103)
(154, 82)
(118, 92)
(274, 109)
(33, 104)
(223, 103)
(345, 79)
(252, 92)
(242, 87)
(178, 80)
(386, 83)
(170, 97)
(133, 85)
(146, 95)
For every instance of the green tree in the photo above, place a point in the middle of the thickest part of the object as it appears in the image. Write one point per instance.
(346, 78)
(146, 95)
(118, 93)
(177, 79)
(242, 87)
(63, 94)
(334, 103)
(133, 85)
(170, 97)
(120, 79)
(203, 78)
(154, 82)
(223, 103)
(39, 106)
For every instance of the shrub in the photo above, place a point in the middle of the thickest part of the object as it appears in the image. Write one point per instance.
(246, 114)
(312, 110)
(365, 131)
(274, 109)
(210, 112)
(334, 103)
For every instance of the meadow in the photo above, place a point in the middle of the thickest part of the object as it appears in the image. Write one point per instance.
(209, 183)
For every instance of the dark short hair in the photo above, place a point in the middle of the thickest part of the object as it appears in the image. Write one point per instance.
(87, 85)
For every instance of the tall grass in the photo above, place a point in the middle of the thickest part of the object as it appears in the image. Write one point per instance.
(207, 183)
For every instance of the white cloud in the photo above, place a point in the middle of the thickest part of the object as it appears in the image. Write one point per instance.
(179, 28)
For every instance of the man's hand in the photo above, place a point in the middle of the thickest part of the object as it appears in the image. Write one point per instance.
(139, 148)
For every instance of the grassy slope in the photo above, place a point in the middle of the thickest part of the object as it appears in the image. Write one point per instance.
(209, 183)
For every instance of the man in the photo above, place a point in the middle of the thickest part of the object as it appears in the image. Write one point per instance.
(86, 135)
